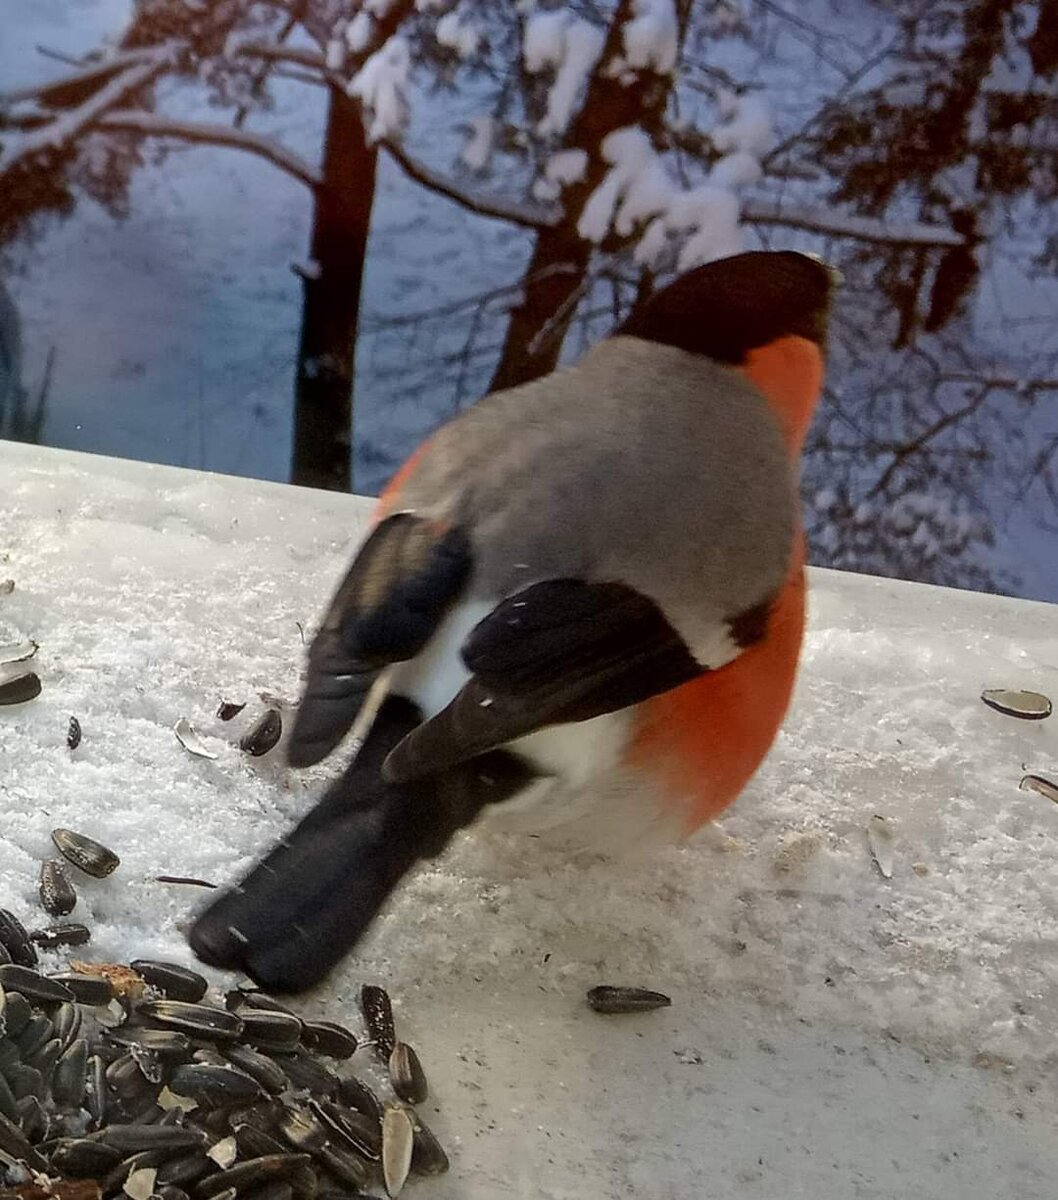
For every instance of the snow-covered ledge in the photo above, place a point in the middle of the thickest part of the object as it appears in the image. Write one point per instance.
(832, 1033)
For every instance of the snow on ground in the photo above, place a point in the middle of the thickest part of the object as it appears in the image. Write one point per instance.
(832, 1034)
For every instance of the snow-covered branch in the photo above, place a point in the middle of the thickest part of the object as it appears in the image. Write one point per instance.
(65, 128)
(835, 224)
(70, 90)
(154, 125)
(274, 52)
(501, 208)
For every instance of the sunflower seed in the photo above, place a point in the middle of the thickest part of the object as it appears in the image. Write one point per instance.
(406, 1074)
(270, 1030)
(17, 689)
(355, 1094)
(609, 999)
(67, 1022)
(305, 1184)
(1029, 706)
(302, 1130)
(68, 933)
(427, 1154)
(324, 1037)
(33, 1119)
(166, 1042)
(880, 842)
(85, 853)
(251, 1174)
(15, 1143)
(116, 1177)
(378, 1016)
(189, 739)
(189, 880)
(18, 652)
(178, 983)
(398, 1138)
(214, 1087)
(1036, 783)
(26, 1081)
(256, 1143)
(264, 735)
(169, 1191)
(359, 1132)
(73, 734)
(8, 1102)
(186, 1169)
(17, 1012)
(227, 710)
(15, 940)
(96, 1088)
(87, 989)
(305, 1072)
(31, 983)
(44, 1059)
(84, 1158)
(200, 1020)
(69, 1078)
(38, 1031)
(56, 892)
(130, 1139)
(280, 1191)
(239, 998)
(265, 1070)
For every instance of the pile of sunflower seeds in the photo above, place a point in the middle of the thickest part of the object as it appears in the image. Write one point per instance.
(128, 1081)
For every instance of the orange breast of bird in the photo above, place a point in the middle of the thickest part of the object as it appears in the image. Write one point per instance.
(704, 741)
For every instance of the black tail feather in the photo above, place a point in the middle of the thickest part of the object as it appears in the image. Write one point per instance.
(306, 905)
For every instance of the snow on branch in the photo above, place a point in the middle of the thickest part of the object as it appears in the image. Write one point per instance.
(528, 215)
(64, 92)
(154, 125)
(835, 224)
(67, 127)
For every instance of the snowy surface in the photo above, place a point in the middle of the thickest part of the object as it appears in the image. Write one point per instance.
(833, 1034)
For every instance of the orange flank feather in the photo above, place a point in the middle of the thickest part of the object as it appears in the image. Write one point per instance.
(388, 499)
(705, 740)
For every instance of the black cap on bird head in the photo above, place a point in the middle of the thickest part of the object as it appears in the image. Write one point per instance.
(734, 305)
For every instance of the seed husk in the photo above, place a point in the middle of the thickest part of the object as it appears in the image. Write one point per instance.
(214, 1087)
(87, 989)
(378, 1016)
(44, 1059)
(178, 983)
(20, 688)
(200, 1020)
(428, 1156)
(325, 1037)
(360, 1132)
(73, 733)
(187, 880)
(85, 853)
(67, 933)
(1029, 706)
(33, 1119)
(18, 652)
(227, 710)
(263, 735)
(31, 983)
(880, 844)
(96, 1088)
(15, 940)
(190, 740)
(270, 1030)
(1037, 783)
(70, 1075)
(304, 1071)
(398, 1138)
(140, 1183)
(253, 1173)
(406, 1074)
(224, 1152)
(57, 895)
(67, 1022)
(610, 999)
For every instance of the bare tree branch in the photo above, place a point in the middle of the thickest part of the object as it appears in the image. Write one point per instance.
(64, 129)
(201, 133)
(529, 216)
(848, 225)
(53, 91)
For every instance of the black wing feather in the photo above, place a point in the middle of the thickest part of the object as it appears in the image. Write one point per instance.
(399, 587)
(563, 650)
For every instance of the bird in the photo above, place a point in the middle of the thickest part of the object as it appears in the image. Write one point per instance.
(583, 587)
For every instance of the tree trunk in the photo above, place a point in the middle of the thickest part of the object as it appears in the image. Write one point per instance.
(323, 406)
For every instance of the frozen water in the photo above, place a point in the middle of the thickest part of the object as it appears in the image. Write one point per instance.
(833, 1033)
